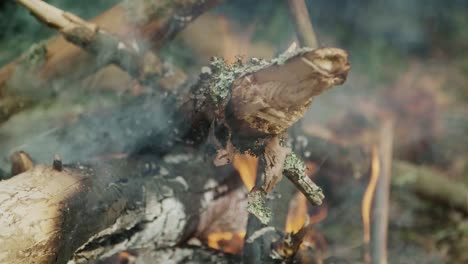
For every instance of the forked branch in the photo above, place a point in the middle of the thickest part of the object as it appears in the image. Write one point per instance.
(107, 47)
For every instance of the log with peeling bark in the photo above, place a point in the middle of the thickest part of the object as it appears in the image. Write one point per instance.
(89, 211)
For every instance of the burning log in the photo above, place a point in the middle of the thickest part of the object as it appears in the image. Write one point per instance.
(90, 211)
(178, 255)
(304, 29)
(232, 108)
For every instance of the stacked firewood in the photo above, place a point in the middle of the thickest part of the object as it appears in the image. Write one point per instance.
(154, 191)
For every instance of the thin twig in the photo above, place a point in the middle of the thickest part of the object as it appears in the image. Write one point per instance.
(294, 169)
(304, 29)
(382, 194)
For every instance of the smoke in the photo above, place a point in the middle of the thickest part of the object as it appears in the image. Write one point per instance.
(381, 36)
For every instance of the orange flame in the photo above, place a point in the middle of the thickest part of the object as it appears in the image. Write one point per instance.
(227, 241)
(297, 219)
(231, 242)
(369, 194)
(297, 214)
(246, 165)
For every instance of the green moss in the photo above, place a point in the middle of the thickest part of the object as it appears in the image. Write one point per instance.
(294, 164)
(256, 206)
(222, 75)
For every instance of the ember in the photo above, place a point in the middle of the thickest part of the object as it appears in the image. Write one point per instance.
(246, 165)
(227, 242)
(297, 215)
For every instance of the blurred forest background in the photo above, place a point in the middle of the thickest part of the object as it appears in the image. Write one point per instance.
(408, 58)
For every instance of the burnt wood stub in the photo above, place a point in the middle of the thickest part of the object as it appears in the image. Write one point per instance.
(20, 162)
(270, 100)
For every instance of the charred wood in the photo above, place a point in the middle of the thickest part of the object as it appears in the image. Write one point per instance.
(176, 255)
(90, 211)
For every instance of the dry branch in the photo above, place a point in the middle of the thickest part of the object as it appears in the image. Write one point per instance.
(57, 58)
(236, 107)
(97, 41)
(203, 104)
(304, 29)
(381, 201)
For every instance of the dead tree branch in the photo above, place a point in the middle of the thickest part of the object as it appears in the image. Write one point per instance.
(380, 205)
(91, 38)
(303, 25)
(57, 58)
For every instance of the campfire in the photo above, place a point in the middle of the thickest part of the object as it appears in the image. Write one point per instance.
(211, 131)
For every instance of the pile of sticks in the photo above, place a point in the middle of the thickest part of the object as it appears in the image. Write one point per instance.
(161, 186)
